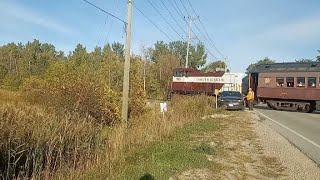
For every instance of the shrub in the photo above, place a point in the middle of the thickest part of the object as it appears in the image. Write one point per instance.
(75, 89)
(11, 82)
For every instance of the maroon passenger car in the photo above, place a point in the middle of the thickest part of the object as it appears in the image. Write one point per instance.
(287, 86)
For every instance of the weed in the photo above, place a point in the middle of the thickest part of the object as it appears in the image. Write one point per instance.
(204, 148)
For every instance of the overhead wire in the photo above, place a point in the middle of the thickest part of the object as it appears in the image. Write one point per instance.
(97, 7)
(151, 21)
(173, 17)
(211, 41)
(111, 25)
(105, 22)
(193, 31)
(185, 8)
(165, 19)
(179, 11)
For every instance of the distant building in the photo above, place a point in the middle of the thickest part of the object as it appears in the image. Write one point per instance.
(233, 81)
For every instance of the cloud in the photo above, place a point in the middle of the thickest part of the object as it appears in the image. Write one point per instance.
(31, 16)
(303, 32)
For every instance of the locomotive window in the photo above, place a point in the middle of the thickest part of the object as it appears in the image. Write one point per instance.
(300, 82)
(179, 74)
(280, 81)
(312, 82)
(290, 81)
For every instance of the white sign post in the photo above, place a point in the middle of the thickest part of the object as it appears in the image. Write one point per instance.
(163, 108)
(216, 92)
(216, 102)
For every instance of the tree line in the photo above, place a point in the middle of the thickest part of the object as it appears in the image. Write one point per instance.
(19, 62)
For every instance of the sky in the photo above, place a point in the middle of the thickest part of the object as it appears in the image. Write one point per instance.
(243, 31)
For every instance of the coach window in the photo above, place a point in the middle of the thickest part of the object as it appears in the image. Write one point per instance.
(280, 81)
(300, 82)
(312, 82)
(290, 81)
(267, 81)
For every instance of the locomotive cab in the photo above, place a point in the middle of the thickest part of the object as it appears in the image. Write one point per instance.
(182, 72)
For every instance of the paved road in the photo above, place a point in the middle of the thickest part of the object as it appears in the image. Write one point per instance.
(301, 129)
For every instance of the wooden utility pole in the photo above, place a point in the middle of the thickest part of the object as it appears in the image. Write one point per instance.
(126, 76)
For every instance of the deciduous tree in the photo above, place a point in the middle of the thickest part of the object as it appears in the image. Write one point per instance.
(214, 65)
(262, 61)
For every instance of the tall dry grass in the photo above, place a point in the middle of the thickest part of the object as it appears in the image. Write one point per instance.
(43, 143)
(9, 96)
(36, 143)
(148, 128)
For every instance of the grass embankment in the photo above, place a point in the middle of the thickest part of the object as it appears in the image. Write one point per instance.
(43, 142)
(219, 146)
(186, 148)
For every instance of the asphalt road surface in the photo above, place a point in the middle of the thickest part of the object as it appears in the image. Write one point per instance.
(301, 129)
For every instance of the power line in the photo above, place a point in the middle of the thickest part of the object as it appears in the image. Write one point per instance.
(173, 17)
(111, 25)
(105, 22)
(97, 7)
(197, 25)
(215, 57)
(151, 21)
(165, 19)
(197, 28)
(207, 39)
(185, 8)
(178, 9)
(215, 47)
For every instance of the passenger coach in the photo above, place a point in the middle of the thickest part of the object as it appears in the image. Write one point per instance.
(287, 86)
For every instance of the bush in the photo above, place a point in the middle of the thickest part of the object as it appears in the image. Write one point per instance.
(137, 101)
(11, 82)
(75, 89)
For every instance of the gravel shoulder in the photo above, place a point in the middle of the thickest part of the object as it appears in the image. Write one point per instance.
(298, 165)
(252, 150)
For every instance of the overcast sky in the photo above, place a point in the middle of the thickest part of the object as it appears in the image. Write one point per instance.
(243, 30)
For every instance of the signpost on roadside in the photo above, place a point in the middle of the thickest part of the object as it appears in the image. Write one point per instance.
(163, 108)
(216, 92)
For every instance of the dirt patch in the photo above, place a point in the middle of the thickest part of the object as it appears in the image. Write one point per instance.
(216, 116)
(193, 174)
(242, 155)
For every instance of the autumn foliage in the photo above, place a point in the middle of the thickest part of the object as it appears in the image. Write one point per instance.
(60, 114)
